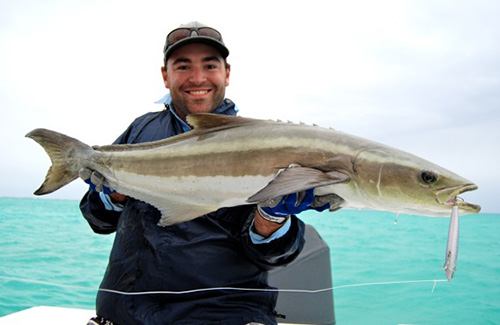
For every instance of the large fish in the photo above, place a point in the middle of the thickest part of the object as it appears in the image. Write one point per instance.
(228, 161)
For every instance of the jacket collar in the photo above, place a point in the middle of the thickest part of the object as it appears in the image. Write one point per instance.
(226, 108)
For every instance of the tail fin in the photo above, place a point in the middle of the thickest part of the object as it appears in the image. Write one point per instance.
(64, 152)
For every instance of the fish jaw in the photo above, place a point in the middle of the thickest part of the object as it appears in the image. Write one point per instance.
(448, 197)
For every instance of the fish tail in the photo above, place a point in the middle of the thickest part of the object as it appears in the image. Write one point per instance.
(65, 153)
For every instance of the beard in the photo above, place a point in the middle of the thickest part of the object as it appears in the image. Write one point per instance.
(185, 106)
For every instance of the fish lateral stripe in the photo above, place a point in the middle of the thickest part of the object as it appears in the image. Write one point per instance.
(264, 162)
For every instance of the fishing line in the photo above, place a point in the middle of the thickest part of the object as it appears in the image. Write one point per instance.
(181, 292)
(44, 283)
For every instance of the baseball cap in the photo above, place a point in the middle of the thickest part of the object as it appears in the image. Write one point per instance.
(193, 32)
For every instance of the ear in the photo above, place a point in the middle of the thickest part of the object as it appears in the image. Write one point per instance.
(164, 75)
(228, 72)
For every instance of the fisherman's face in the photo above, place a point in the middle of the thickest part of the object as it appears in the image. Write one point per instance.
(197, 76)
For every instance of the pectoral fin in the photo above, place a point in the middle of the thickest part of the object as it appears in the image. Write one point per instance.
(296, 179)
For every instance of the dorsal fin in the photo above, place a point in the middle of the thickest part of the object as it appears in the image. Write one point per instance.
(205, 121)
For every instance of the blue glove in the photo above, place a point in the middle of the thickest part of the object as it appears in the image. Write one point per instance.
(96, 181)
(294, 203)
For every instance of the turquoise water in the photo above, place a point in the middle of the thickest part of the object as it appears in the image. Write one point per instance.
(50, 256)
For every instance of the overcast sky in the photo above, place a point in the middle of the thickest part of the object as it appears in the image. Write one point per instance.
(422, 76)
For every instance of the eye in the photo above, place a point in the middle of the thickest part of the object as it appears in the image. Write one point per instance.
(428, 177)
(181, 66)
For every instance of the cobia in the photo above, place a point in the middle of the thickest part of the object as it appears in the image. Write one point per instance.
(227, 161)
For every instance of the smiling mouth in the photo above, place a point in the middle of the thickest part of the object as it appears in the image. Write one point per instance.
(198, 92)
(449, 197)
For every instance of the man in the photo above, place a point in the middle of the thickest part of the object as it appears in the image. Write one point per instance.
(176, 274)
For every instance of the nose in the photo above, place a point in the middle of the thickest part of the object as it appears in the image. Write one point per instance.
(197, 75)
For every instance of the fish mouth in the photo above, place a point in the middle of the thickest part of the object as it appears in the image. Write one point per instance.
(449, 197)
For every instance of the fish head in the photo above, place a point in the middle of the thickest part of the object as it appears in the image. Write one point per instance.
(397, 181)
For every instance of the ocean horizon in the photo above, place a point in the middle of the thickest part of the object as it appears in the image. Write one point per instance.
(386, 268)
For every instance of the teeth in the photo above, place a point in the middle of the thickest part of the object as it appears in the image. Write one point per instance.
(198, 92)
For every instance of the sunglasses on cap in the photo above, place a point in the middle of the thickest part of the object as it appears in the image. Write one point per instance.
(185, 32)
(194, 32)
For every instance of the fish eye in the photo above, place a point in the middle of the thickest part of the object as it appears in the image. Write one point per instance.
(428, 177)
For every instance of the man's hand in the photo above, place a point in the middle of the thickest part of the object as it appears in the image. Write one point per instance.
(277, 209)
(272, 214)
(98, 183)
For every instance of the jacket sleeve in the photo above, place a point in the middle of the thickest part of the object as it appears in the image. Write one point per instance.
(280, 251)
(277, 252)
(101, 221)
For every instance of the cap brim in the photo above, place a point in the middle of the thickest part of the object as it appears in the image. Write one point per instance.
(198, 39)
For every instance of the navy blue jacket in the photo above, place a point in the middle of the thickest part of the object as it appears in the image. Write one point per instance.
(208, 252)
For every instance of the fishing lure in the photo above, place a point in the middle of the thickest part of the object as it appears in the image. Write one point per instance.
(450, 263)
